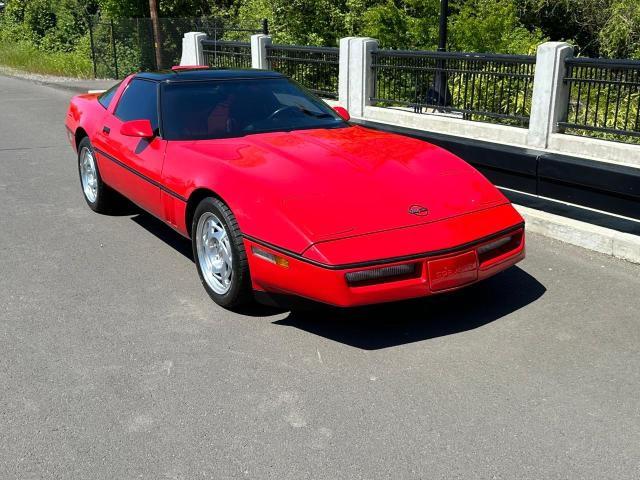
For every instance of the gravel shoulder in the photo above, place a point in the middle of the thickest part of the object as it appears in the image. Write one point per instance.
(76, 85)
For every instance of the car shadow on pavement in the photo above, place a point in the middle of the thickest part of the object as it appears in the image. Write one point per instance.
(165, 233)
(389, 324)
(183, 246)
(392, 324)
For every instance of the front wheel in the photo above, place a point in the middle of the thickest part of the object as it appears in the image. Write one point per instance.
(219, 254)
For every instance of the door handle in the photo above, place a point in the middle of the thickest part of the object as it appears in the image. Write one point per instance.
(106, 130)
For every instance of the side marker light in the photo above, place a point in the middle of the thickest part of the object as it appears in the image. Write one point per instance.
(270, 257)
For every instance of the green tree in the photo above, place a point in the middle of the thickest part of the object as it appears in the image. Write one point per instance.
(410, 24)
(307, 22)
(388, 24)
(124, 8)
(620, 36)
(492, 26)
(576, 21)
(475, 26)
(12, 26)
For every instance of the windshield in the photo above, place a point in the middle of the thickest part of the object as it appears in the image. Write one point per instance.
(202, 110)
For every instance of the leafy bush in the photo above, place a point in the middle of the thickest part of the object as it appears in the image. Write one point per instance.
(620, 36)
(25, 56)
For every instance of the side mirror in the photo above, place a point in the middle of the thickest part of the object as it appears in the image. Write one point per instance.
(137, 128)
(343, 113)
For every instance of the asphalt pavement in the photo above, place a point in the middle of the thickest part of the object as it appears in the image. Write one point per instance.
(115, 364)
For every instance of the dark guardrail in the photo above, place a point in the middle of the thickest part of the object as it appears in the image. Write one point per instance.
(528, 177)
(316, 68)
(604, 98)
(226, 54)
(475, 86)
(121, 46)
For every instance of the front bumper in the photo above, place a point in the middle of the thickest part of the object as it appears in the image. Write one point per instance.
(431, 274)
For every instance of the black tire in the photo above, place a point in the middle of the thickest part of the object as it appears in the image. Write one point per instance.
(106, 199)
(240, 293)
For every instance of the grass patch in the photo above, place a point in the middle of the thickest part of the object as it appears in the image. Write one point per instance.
(26, 57)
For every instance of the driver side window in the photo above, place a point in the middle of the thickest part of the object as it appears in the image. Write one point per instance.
(139, 102)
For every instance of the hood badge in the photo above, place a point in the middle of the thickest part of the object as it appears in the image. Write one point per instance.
(418, 210)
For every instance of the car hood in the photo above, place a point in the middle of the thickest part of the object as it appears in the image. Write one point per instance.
(336, 183)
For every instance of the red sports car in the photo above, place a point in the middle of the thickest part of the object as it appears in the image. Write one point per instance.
(280, 194)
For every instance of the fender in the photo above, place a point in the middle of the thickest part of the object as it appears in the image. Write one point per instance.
(234, 179)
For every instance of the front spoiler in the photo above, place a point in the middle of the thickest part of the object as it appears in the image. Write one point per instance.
(329, 285)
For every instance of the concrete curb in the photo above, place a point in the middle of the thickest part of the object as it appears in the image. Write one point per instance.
(599, 239)
(73, 85)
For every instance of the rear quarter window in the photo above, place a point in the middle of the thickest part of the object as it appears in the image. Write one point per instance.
(106, 97)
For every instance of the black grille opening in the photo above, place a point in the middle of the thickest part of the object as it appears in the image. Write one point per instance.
(383, 274)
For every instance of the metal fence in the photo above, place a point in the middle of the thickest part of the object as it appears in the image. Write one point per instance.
(227, 54)
(316, 68)
(604, 98)
(481, 87)
(126, 45)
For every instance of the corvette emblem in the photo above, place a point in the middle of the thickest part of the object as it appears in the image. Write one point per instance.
(418, 210)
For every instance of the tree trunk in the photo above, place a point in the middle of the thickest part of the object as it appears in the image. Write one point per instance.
(157, 34)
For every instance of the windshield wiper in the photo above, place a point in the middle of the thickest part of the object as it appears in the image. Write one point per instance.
(314, 114)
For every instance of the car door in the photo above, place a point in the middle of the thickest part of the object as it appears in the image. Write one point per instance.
(136, 163)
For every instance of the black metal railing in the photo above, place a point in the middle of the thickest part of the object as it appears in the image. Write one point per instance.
(481, 87)
(122, 46)
(224, 54)
(604, 98)
(316, 68)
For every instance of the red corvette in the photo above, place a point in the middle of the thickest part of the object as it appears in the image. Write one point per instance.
(280, 194)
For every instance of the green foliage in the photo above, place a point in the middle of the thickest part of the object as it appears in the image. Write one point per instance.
(12, 26)
(620, 36)
(25, 56)
(46, 24)
(492, 26)
(576, 21)
(181, 8)
(411, 25)
(14, 12)
(124, 9)
(389, 24)
(597, 27)
(353, 18)
(308, 22)
(39, 17)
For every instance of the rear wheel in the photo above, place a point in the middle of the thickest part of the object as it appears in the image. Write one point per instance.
(219, 254)
(98, 196)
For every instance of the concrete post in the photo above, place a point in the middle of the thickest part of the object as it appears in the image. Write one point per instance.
(550, 94)
(192, 48)
(359, 78)
(259, 44)
(343, 71)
